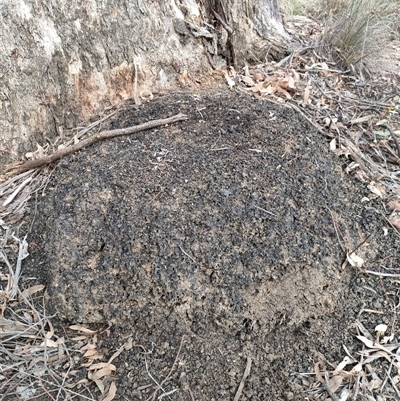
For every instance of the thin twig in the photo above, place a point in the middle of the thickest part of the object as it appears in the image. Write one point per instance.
(394, 386)
(388, 372)
(45, 390)
(167, 394)
(22, 254)
(337, 232)
(63, 383)
(159, 386)
(18, 190)
(151, 376)
(20, 167)
(395, 141)
(245, 375)
(381, 274)
(266, 211)
(314, 124)
(191, 394)
(360, 244)
(85, 130)
(187, 255)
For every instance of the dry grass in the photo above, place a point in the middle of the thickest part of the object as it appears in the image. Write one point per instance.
(36, 362)
(356, 31)
(299, 7)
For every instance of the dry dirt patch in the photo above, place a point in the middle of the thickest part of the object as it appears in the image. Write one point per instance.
(219, 230)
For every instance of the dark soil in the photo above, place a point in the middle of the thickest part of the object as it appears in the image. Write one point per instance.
(217, 229)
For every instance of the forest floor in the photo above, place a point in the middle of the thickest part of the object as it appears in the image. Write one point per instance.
(239, 254)
(219, 238)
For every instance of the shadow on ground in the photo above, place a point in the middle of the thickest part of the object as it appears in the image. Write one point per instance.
(220, 229)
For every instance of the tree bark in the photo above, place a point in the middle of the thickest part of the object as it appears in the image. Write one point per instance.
(61, 61)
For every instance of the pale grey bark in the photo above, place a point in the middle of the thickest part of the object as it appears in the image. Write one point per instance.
(61, 61)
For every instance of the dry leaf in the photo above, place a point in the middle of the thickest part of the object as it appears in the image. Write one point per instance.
(296, 75)
(49, 343)
(335, 382)
(363, 330)
(100, 385)
(82, 329)
(368, 343)
(60, 341)
(80, 338)
(111, 392)
(101, 365)
(318, 373)
(106, 371)
(394, 219)
(356, 369)
(306, 95)
(375, 190)
(374, 356)
(361, 119)
(247, 80)
(343, 364)
(10, 328)
(50, 333)
(355, 260)
(269, 90)
(40, 151)
(281, 90)
(381, 329)
(90, 352)
(258, 87)
(30, 291)
(88, 346)
(291, 83)
(376, 346)
(374, 384)
(387, 339)
(95, 356)
(393, 205)
(87, 364)
(258, 76)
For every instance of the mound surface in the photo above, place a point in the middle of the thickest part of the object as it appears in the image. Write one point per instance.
(220, 229)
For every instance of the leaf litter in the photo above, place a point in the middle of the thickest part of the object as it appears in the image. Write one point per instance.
(364, 378)
(37, 362)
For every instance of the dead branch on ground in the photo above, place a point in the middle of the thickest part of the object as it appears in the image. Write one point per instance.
(20, 167)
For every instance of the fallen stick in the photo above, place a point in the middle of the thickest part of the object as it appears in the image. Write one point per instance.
(245, 374)
(22, 166)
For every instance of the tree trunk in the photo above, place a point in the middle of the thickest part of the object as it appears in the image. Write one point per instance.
(61, 61)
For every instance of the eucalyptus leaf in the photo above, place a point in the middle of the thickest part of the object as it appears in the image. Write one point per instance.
(382, 133)
(382, 122)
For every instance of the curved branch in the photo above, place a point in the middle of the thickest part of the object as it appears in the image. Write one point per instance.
(20, 167)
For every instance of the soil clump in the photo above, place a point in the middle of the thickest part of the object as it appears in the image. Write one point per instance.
(219, 230)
